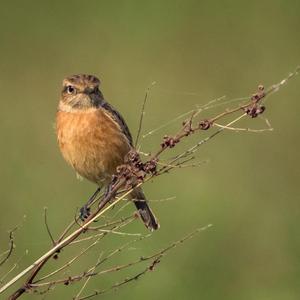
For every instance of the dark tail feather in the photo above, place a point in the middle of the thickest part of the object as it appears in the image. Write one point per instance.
(144, 210)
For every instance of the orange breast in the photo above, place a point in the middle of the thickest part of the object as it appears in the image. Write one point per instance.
(92, 143)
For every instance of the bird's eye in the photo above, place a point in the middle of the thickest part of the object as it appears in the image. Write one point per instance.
(70, 89)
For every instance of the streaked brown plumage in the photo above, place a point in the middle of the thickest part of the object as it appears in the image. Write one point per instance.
(94, 138)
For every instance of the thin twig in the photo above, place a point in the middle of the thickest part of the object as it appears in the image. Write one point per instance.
(155, 258)
(47, 226)
(70, 262)
(15, 265)
(89, 273)
(125, 223)
(88, 279)
(117, 285)
(142, 114)
(61, 244)
(243, 129)
(11, 247)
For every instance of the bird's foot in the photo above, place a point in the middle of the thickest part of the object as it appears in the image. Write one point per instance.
(85, 212)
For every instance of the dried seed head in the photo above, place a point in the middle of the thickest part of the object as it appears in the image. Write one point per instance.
(150, 166)
(169, 141)
(204, 124)
(254, 111)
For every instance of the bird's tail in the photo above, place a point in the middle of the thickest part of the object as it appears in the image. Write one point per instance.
(144, 210)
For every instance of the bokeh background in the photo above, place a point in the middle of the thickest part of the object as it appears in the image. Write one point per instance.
(196, 51)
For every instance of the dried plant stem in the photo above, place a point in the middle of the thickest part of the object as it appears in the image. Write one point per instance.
(9, 252)
(142, 114)
(195, 147)
(131, 175)
(87, 280)
(154, 258)
(71, 261)
(57, 247)
(47, 226)
(91, 273)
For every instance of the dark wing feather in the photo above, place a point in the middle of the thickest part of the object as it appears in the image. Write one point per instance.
(119, 119)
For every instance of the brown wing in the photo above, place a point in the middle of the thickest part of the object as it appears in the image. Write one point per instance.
(119, 119)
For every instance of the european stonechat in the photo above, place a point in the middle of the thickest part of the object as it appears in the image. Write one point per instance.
(94, 138)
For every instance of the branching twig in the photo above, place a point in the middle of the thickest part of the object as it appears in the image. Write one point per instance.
(9, 252)
(154, 258)
(47, 226)
(132, 174)
(91, 273)
(125, 281)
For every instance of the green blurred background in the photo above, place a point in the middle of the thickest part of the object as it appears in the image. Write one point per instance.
(196, 51)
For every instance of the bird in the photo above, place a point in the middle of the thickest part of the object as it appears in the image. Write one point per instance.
(94, 138)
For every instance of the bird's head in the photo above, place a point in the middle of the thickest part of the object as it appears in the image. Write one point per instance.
(80, 92)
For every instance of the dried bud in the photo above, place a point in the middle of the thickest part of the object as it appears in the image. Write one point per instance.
(164, 143)
(259, 95)
(260, 110)
(255, 97)
(152, 266)
(140, 175)
(67, 282)
(251, 111)
(150, 166)
(132, 156)
(254, 110)
(204, 124)
(120, 169)
(169, 142)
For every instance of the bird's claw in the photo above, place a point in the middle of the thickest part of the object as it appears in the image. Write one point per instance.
(84, 213)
